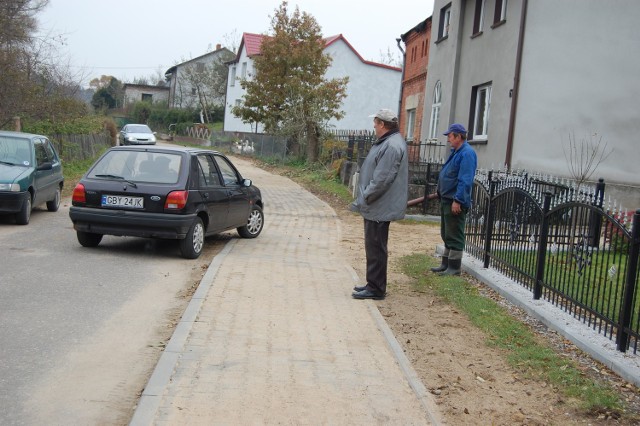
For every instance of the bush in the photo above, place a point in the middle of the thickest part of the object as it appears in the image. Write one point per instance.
(76, 126)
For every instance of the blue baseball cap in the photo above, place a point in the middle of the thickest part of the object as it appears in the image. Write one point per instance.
(455, 128)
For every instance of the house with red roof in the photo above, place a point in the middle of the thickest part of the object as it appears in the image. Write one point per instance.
(371, 85)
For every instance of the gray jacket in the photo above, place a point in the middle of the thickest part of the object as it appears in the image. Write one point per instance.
(383, 185)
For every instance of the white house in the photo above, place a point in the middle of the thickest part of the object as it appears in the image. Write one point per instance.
(371, 85)
(523, 76)
(183, 78)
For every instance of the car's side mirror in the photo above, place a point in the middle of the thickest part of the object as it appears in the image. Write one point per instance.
(45, 166)
(247, 182)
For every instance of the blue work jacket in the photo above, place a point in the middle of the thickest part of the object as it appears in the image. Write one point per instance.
(456, 177)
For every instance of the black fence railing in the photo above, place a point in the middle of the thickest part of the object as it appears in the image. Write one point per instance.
(563, 244)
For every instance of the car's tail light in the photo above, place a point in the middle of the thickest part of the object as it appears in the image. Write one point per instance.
(79, 196)
(176, 200)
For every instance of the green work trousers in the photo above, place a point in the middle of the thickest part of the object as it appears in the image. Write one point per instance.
(452, 226)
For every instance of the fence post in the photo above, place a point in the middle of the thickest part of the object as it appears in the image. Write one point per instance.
(622, 340)
(490, 213)
(350, 144)
(542, 247)
(595, 218)
(361, 142)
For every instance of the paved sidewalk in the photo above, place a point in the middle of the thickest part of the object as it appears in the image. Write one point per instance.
(272, 335)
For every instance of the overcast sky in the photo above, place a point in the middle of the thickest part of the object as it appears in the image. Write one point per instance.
(138, 38)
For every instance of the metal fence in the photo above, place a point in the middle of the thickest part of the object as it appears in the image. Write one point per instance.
(570, 246)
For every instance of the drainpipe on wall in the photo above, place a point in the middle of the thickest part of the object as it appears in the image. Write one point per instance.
(404, 69)
(516, 85)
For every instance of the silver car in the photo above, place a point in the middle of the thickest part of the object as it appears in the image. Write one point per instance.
(137, 134)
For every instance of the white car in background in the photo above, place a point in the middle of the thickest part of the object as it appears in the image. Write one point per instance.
(137, 134)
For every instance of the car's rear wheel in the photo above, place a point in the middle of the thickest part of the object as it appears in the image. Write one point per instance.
(23, 216)
(54, 205)
(254, 225)
(88, 239)
(191, 247)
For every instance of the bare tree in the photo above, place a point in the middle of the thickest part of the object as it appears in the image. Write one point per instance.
(203, 83)
(584, 156)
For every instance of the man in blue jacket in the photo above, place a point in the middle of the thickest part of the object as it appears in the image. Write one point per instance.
(454, 190)
(383, 189)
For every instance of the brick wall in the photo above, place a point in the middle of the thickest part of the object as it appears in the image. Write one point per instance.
(417, 43)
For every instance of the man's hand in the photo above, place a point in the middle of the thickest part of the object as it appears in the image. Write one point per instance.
(455, 208)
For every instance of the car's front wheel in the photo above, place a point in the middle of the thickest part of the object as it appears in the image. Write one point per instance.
(54, 205)
(254, 225)
(23, 216)
(191, 247)
(88, 239)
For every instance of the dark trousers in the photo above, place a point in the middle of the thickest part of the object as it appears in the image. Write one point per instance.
(376, 236)
(452, 227)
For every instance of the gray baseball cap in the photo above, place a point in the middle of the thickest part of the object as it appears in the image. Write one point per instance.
(385, 115)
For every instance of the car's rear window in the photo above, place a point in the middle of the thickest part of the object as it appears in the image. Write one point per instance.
(138, 166)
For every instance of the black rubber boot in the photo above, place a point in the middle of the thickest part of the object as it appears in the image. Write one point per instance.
(455, 263)
(443, 266)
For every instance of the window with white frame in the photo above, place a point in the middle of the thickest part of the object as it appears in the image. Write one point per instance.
(434, 122)
(243, 74)
(445, 21)
(500, 14)
(411, 123)
(233, 76)
(478, 17)
(481, 106)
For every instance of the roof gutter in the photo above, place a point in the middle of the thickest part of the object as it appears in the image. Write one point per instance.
(404, 70)
(516, 85)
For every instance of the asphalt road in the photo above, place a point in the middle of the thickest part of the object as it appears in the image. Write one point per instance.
(82, 328)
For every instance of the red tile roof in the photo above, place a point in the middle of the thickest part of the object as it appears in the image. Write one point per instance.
(252, 43)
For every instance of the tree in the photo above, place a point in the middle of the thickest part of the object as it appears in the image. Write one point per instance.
(289, 94)
(204, 83)
(109, 95)
(35, 83)
(584, 156)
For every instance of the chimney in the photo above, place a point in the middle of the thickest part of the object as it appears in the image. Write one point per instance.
(218, 46)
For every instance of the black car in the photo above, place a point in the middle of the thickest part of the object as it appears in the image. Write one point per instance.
(165, 192)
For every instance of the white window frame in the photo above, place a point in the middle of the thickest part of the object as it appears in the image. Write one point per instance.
(434, 121)
(480, 3)
(445, 15)
(411, 124)
(503, 11)
(481, 112)
(243, 74)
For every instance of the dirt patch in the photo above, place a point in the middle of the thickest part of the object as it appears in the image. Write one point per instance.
(472, 383)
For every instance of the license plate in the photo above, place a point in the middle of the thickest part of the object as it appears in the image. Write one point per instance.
(120, 201)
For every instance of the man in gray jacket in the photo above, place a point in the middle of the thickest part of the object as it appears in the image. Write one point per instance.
(383, 187)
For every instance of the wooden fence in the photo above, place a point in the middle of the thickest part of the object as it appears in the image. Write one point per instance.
(81, 147)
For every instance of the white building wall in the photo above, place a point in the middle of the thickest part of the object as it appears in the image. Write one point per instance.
(134, 94)
(370, 88)
(235, 93)
(580, 76)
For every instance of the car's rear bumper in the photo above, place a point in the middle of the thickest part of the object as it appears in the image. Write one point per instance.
(11, 202)
(130, 223)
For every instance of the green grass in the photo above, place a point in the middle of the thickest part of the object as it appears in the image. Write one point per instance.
(525, 352)
(591, 287)
(73, 171)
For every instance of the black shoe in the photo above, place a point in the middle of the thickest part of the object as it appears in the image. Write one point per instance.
(367, 294)
(360, 288)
